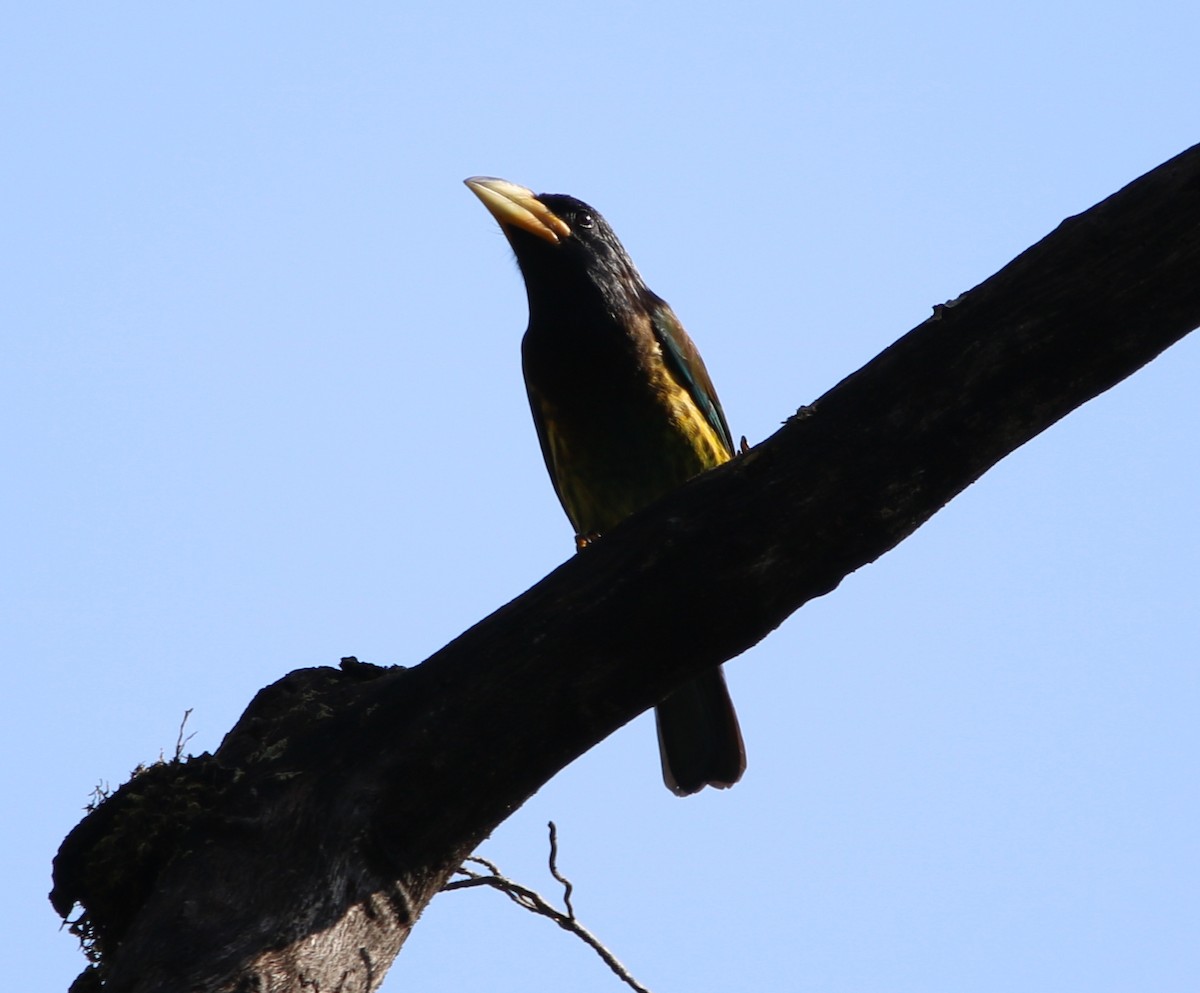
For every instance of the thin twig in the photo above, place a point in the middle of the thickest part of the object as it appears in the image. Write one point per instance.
(535, 903)
(567, 887)
(181, 741)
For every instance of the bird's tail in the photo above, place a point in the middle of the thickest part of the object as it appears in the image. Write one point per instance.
(699, 740)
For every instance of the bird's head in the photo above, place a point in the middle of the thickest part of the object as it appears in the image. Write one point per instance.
(567, 252)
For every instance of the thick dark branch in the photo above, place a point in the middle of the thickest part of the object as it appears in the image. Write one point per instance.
(340, 803)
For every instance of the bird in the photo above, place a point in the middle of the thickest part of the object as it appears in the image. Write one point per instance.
(625, 412)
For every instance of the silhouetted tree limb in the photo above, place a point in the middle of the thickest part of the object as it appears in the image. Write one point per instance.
(301, 853)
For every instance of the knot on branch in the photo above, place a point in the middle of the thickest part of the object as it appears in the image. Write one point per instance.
(112, 861)
(109, 863)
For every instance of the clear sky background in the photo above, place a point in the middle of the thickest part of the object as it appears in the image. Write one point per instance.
(263, 408)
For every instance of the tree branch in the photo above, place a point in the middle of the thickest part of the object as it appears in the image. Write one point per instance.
(303, 851)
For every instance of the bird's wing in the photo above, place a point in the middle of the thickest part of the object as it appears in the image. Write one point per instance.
(685, 364)
(555, 455)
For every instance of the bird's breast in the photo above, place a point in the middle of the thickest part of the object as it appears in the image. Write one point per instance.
(617, 430)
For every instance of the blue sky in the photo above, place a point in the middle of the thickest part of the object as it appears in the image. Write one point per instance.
(263, 405)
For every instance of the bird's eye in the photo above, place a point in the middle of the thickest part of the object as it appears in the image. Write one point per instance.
(584, 220)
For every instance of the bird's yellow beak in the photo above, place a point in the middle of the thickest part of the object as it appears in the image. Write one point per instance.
(515, 206)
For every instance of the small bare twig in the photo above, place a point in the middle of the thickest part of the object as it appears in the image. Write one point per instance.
(181, 741)
(535, 903)
(567, 887)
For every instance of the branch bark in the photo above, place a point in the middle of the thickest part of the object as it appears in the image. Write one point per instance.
(302, 852)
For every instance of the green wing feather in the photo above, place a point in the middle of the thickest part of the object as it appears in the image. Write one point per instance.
(685, 364)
